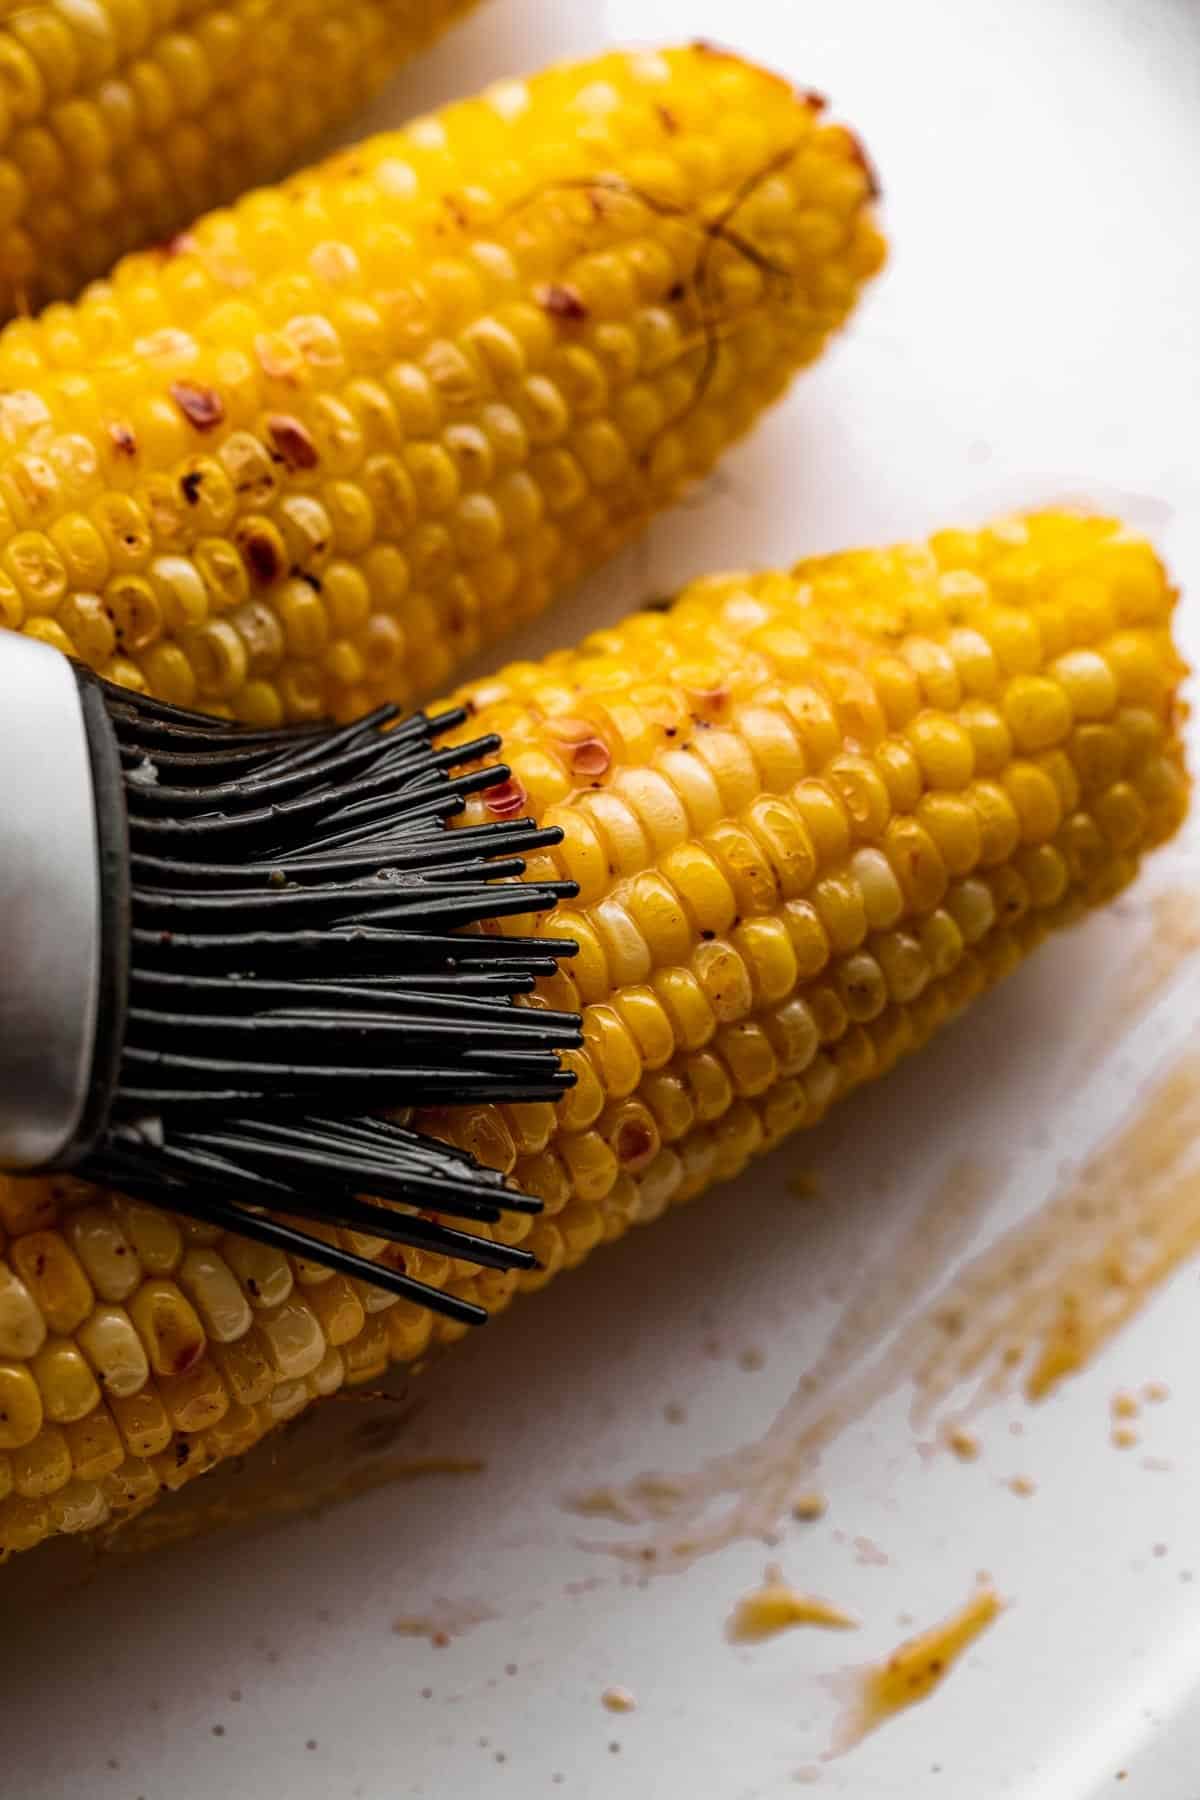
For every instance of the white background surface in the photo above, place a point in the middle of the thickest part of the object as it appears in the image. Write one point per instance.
(1035, 336)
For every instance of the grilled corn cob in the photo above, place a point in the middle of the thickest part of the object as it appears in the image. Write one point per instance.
(810, 814)
(323, 445)
(120, 121)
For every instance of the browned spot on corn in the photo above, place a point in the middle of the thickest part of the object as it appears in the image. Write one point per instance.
(291, 443)
(262, 556)
(562, 302)
(122, 438)
(635, 1144)
(202, 407)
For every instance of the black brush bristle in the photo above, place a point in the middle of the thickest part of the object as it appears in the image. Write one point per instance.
(308, 942)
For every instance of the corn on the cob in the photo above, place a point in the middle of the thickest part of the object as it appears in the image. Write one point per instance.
(120, 121)
(328, 442)
(811, 814)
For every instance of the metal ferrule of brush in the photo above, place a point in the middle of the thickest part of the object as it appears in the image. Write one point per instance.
(55, 909)
(231, 955)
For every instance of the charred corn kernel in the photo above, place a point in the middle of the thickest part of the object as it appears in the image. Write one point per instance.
(315, 449)
(121, 121)
(768, 931)
(29, 1205)
(168, 1326)
(55, 1280)
(98, 1239)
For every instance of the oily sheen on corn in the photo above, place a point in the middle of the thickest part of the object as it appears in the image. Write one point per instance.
(121, 120)
(811, 815)
(323, 445)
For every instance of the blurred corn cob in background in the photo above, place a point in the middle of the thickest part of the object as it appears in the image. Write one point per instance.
(121, 120)
(811, 815)
(322, 446)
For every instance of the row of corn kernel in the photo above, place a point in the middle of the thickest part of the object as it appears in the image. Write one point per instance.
(122, 122)
(251, 1340)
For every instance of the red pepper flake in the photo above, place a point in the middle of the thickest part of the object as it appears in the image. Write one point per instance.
(122, 438)
(813, 98)
(291, 442)
(506, 798)
(591, 758)
(202, 407)
(670, 123)
(562, 302)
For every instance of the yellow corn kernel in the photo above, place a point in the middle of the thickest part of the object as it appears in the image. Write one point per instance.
(130, 1486)
(265, 1274)
(367, 1356)
(338, 1310)
(142, 1421)
(111, 1344)
(21, 1412)
(217, 1295)
(154, 1235)
(95, 1445)
(247, 1368)
(233, 1434)
(293, 1336)
(348, 430)
(23, 1523)
(43, 1465)
(67, 1385)
(197, 1399)
(79, 1506)
(99, 1241)
(55, 1279)
(22, 1321)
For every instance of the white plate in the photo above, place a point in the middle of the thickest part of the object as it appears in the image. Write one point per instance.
(1035, 336)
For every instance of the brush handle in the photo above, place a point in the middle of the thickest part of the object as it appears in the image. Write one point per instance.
(50, 904)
